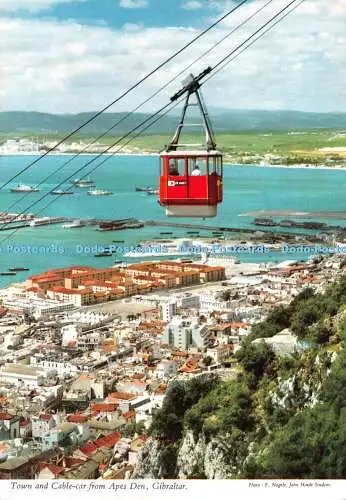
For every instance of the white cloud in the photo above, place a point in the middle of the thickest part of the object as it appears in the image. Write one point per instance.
(31, 5)
(300, 64)
(133, 4)
(192, 5)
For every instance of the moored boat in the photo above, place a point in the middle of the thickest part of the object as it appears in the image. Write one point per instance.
(144, 189)
(24, 188)
(60, 192)
(99, 192)
(82, 182)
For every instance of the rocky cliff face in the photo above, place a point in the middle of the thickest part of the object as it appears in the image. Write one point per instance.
(195, 459)
(203, 459)
(148, 466)
(223, 456)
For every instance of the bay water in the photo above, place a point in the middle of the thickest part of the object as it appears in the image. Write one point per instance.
(246, 188)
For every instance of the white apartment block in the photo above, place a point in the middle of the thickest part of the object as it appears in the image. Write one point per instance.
(169, 309)
(209, 302)
(184, 333)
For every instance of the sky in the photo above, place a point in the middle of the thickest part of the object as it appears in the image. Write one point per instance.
(69, 56)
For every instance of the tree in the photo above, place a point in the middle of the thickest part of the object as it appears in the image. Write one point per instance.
(207, 360)
(256, 359)
(311, 445)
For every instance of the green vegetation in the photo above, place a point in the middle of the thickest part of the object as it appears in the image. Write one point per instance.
(168, 424)
(283, 417)
(258, 142)
(250, 147)
(308, 316)
(246, 137)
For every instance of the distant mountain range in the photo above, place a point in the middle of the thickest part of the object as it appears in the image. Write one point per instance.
(18, 122)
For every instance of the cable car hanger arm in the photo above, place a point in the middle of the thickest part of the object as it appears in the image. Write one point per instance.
(191, 87)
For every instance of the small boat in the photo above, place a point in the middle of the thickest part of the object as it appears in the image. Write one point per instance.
(82, 182)
(108, 250)
(18, 269)
(103, 254)
(192, 232)
(24, 188)
(166, 233)
(99, 192)
(61, 192)
(71, 225)
(118, 262)
(144, 189)
(118, 241)
(8, 273)
(264, 221)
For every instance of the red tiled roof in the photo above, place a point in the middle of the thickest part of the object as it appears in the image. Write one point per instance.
(77, 419)
(24, 423)
(46, 417)
(122, 395)
(5, 416)
(54, 469)
(103, 407)
(88, 449)
(72, 462)
(69, 291)
(129, 415)
(108, 441)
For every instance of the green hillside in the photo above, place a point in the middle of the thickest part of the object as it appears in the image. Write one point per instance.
(18, 122)
(283, 417)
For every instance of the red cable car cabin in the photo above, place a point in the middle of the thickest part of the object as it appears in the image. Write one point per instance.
(191, 181)
(185, 193)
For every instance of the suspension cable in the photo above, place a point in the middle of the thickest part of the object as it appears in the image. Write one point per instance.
(222, 63)
(124, 94)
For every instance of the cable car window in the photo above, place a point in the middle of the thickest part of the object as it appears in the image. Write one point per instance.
(181, 166)
(177, 166)
(219, 165)
(172, 166)
(192, 164)
(198, 166)
(212, 164)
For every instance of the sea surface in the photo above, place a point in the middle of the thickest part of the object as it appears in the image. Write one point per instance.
(245, 189)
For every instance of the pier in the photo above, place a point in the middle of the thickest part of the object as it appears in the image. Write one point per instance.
(8, 222)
